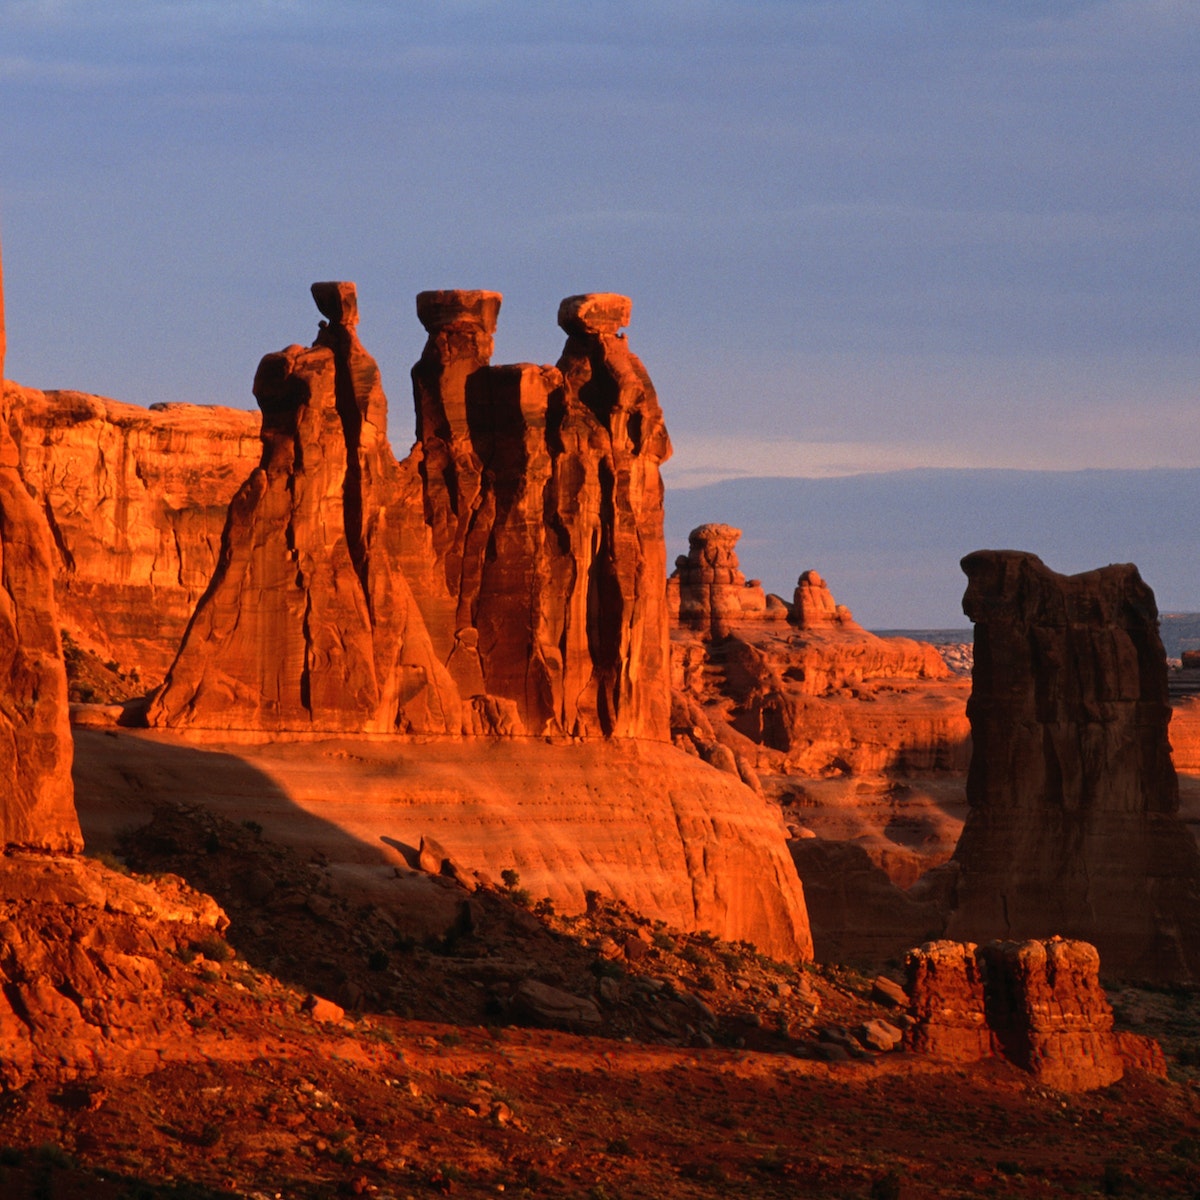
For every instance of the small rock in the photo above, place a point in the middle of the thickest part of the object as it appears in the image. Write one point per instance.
(321, 1009)
(880, 1035)
(885, 991)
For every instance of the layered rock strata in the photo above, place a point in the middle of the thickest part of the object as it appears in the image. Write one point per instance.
(308, 623)
(1073, 826)
(37, 808)
(136, 500)
(1038, 1004)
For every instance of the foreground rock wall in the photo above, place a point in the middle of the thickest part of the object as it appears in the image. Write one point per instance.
(136, 500)
(37, 808)
(1073, 825)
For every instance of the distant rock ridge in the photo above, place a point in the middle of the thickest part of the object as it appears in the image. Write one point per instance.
(794, 676)
(507, 577)
(37, 805)
(1073, 825)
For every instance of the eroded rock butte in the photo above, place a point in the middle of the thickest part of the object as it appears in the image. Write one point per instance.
(1073, 826)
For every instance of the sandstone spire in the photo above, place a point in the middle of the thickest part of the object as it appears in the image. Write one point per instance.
(1073, 825)
(37, 806)
(308, 623)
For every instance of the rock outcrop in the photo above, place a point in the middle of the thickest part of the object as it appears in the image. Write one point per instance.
(803, 681)
(37, 808)
(542, 504)
(81, 977)
(1073, 826)
(1038, 1004)
(507, 577)
(309, 623)
(136, 500)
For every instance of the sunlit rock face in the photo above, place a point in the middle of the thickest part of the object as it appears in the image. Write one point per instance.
(308, 623)
(37, 809)
(1073, 825)
(136, 499)
(1037, 1003)
(542, 505)
(804, 681)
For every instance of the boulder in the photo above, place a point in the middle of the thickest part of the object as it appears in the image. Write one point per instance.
(545, 1005)
(1073, 824)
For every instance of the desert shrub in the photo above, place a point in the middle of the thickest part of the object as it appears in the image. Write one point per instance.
(378, 961)
(214, 947)
(510, 878)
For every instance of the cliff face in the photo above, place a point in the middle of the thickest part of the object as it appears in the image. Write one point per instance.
(37, 809)
(136, 500)
(1072, 827)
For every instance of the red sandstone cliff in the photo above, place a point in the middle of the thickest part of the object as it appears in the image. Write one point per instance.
(136, 500)
(542, 505)
(1073, 825)
(37, 808)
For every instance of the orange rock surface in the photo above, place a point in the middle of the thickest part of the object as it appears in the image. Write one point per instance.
(542, 503)
(633, 820)
(1073, 825)
(36, 809)
(137, 500)
(308, 623)
(1038, 1004)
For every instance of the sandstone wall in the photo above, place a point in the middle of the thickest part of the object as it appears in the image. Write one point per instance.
(1073, 825)
(37, 808)
(136, 500)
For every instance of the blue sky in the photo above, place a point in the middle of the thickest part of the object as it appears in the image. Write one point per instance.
(857, 235)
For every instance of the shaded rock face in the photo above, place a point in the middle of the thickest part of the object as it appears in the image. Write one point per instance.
(37, 809)
(1072, 827)
(308, 623)
(1038, 1004)
(136, 500)
(542, 516)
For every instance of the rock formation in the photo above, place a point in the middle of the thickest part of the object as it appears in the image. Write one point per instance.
(136, 500)
(803, 681)
(81, 978)
(542, 500)
(37, 808)
(1073, 825)
(1038, 1004)
(308, 623)
(507, 577)
(707, 592)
